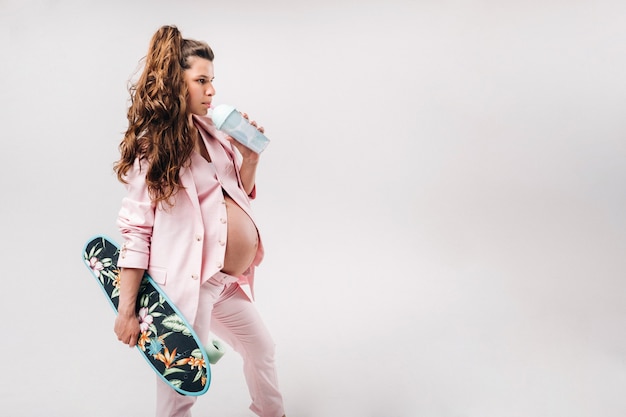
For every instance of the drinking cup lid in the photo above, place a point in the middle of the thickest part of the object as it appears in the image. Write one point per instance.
(220, 113)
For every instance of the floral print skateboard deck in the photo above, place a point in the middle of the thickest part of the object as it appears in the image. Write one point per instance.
(167, 341)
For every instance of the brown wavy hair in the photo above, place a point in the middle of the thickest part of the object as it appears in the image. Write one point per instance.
(158, 124)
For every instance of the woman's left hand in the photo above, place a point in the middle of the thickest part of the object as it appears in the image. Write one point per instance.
(247, 153)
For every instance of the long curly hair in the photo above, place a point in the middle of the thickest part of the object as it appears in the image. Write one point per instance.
(159, 130)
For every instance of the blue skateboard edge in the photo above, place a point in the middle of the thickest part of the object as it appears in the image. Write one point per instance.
(174, 308)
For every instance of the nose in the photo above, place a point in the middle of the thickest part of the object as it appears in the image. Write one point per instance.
(210, 90)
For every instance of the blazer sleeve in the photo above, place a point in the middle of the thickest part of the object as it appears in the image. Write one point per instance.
(136, 219)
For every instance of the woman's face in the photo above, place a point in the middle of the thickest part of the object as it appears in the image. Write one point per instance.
(199, 79)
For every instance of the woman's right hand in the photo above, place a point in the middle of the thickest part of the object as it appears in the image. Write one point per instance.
(127, 323)
(127, 328)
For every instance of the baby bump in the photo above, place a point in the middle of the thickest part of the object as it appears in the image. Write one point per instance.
(242, 239)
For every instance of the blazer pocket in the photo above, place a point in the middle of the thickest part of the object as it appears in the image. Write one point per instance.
(159, 275)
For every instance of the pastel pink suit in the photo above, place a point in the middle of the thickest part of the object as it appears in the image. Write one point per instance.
(182, 247)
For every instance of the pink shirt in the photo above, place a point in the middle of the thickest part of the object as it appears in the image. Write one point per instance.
(210, 197)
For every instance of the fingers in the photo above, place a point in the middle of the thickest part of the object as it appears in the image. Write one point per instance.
(253, 123)
(259, 128)
(133, 341)
(125, 337)
(127, 331)
(129, 339)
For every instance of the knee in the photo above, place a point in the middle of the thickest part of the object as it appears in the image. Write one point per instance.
(260, 349)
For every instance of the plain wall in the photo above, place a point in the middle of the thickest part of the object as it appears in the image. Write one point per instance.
(442, 203)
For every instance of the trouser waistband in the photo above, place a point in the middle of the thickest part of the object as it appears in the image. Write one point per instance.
(223, 278)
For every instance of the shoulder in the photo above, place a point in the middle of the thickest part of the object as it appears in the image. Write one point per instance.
(138, 170)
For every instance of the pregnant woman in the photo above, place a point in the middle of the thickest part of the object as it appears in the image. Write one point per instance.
(187, 219)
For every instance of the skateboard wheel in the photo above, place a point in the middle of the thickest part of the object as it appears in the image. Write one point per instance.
(215, 350)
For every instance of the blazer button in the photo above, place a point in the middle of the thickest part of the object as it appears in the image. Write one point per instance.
(219, 265)
(222, 220)
(198, 238)
(222, 243)
(194, 276)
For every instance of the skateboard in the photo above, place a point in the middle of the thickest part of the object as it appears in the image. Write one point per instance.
(167, 341)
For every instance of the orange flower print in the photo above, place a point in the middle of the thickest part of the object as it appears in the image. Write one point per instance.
(166, 357)
(193, 362)
(197, 362)
(117, 280)
(183, 361)
(144, 338)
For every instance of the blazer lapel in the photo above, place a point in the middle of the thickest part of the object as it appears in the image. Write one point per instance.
(208, 127)
(186, 178)
(215, 142)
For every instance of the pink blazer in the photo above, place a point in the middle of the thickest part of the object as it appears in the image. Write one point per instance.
(168, 241)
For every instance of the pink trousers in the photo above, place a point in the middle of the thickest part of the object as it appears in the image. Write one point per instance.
(226, 311)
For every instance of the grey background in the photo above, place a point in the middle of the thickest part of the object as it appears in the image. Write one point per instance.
(442, 203)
